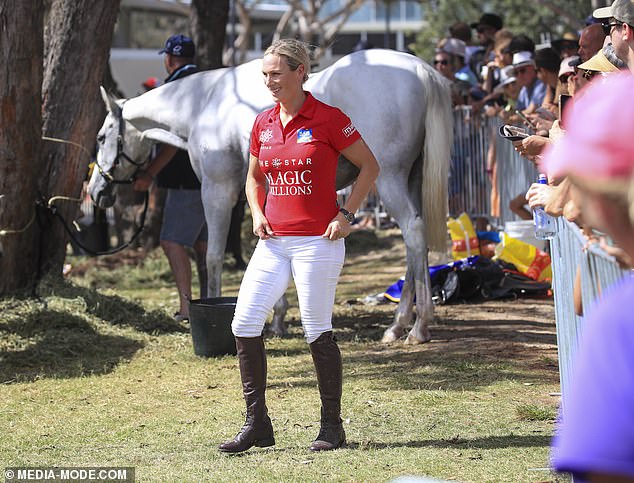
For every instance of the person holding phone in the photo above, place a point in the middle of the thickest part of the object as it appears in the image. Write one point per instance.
(528, 122)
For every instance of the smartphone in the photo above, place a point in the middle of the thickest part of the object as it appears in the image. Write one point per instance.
(563, 99)
(525, 119)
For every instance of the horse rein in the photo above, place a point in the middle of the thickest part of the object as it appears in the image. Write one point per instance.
(112, 251)
(53, 209)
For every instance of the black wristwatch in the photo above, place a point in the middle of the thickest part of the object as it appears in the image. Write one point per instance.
(347, 215)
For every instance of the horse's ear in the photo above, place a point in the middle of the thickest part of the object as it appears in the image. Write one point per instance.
(111, 102)
(166, 137)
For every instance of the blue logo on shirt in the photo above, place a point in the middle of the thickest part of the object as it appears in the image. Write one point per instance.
(304, 135)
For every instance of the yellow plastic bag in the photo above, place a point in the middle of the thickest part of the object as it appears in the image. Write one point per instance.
(527, 258)
(464, 240)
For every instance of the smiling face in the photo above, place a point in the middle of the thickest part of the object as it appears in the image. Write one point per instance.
(283, 83)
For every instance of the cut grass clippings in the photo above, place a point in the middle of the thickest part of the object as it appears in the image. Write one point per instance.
(106, 378)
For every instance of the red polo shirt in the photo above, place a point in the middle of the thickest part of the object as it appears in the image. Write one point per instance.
(300, 164)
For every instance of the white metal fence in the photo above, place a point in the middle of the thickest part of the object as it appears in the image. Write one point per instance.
(570, 253)
(476, 137)
(469, 182)
(470, 189)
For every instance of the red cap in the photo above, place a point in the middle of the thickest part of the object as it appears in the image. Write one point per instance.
(150, 83)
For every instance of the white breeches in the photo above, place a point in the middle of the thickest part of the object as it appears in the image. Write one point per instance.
(313, 262)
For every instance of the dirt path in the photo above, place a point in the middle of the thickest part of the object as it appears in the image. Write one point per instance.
(520, 331)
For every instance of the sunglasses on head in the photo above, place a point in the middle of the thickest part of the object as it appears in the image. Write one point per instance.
(588, 74)
(441, 61)
(607, 26)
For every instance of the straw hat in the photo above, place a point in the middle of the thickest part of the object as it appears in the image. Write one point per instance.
(599, 63)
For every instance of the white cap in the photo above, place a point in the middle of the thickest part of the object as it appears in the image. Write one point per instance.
(507, 75)
(454, 46)
(523, 58)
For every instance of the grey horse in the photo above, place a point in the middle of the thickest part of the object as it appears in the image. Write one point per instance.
(399, 104)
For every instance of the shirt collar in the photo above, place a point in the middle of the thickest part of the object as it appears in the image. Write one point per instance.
(306, 111)
(182, 72)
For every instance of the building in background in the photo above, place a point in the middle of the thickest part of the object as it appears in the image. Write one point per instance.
(140, 32)
(143, 26)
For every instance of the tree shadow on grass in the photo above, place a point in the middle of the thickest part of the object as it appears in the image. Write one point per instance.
(53, 344)
(462, 355)
(490, 442)
(117, 310)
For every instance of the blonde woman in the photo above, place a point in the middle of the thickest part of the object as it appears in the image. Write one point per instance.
(291, 192)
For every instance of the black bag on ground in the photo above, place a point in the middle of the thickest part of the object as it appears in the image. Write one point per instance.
(467, 282)
(484, 279)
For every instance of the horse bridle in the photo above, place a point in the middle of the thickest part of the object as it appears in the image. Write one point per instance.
(111, 180)
(120, 154)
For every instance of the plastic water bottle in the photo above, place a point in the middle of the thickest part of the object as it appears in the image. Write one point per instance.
(544, 223)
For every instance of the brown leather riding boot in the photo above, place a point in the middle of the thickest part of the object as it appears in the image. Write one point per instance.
(257, 429)
(327, 359)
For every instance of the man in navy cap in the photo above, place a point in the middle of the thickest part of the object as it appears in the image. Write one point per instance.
(183, 216)
(179, 53)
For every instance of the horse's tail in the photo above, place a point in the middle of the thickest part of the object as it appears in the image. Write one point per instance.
(436, 156)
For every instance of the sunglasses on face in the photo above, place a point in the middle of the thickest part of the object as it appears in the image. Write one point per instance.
(607, 27)
(521, 70)
(441, 61)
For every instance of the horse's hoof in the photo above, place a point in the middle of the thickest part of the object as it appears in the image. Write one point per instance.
(392, 334)
(275, 331)
(280, 333)
(418, 338)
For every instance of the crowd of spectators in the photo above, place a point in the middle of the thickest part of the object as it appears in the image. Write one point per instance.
(587, 150)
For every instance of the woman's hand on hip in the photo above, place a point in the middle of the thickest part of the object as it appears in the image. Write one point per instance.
(337, 228)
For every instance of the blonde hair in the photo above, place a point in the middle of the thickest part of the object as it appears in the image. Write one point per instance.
(294, 51)
(501, 41)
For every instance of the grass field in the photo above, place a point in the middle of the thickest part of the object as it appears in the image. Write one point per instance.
(95, 373)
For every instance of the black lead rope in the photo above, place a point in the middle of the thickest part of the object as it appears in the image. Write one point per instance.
(110, 180)
(112, 251)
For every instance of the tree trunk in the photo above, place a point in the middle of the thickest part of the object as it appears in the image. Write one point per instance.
(21, 45)
(79, 35)
(209, 27)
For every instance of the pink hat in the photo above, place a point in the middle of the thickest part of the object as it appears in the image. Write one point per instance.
(565, 67)
(598, 143)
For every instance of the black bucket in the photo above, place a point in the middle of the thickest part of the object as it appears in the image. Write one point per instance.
(210, 322)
